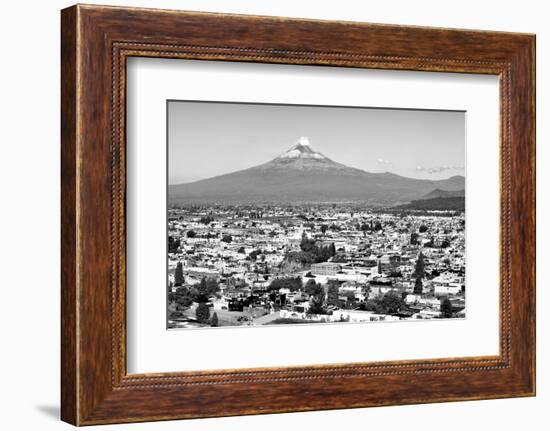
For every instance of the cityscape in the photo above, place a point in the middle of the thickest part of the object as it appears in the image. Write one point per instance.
(305, 239)
(251, 265)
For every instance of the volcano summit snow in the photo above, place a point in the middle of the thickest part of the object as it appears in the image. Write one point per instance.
(302, 174)
(302, 150)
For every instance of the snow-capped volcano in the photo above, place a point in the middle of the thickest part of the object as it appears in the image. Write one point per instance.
(303, 157)
(302, 174)
(302, 150)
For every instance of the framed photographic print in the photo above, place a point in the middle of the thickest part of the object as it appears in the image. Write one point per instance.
(324, 214)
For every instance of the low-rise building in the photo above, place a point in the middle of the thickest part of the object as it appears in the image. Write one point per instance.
(325, 268)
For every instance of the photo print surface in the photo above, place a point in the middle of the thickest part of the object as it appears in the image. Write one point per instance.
(298, 214)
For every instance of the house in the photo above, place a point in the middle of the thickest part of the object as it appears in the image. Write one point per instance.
(389, 263)
(355, 289)
(447, 284)
(360, 316)
(325, 268)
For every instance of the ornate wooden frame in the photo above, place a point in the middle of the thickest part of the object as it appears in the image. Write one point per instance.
(95, 43)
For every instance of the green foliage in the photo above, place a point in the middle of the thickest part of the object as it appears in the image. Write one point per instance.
(414, 238)
(227, 238)
(423, 228)
(191, 234)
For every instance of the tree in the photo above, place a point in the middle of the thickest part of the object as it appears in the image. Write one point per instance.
(191, 234)
(227, 238)
(202, 312)
(206, 220)
(254, 254)
(350, 299)
(311, 287)
(419, 266)
(414, 238)
(307, 245)
(291, 283)
(317, 297)
(173, 244)
(212, 286)
(206, 288)
(332, 292)
(214, 320)
(391, 303)
(418, 287)
(324, 228)
(178, 275)
(183, 297)
(423, 228)
(446, 308)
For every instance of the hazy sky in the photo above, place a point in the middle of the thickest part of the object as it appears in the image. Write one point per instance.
(207, 139)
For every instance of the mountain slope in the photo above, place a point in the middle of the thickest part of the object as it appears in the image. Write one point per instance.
(438, 193)
(302, 174)
(456, 203)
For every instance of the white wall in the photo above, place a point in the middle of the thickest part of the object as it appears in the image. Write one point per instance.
(29, 228)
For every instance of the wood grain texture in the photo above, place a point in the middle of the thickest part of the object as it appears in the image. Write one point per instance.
(69, 397)
(96, 41)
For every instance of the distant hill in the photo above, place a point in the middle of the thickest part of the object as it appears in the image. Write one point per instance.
(450, 204)
(438, 193)
(302, 174)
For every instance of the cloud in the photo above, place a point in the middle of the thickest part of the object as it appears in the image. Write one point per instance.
(438, 169)
(383, 162)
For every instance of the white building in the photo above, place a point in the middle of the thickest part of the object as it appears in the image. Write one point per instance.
(447, 284)
(360, 316)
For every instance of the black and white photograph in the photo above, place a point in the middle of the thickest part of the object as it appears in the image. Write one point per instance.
(296, 214)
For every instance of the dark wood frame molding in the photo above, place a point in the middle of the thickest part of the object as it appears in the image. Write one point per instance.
(95, 43)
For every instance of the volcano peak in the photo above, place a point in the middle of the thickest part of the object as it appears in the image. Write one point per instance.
(302, 150)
